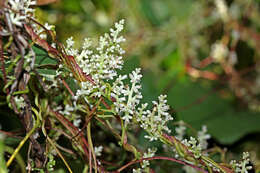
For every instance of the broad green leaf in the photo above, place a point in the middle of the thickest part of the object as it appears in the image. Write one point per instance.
(42, 58)
(147, 10)
(198, 105)
(149, 90)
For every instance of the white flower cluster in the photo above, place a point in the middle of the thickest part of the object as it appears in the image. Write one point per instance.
(146, 163)
(101, 62)
(203, 137)
(193, 146)
(155, 121)
(77, 121)
(127, 98)
(180, 131)
(106, 59)
(150, 153)
(20, 10)
(67, 110)
(87, 89)
(242, 166)
(70, 50)
(41, 31)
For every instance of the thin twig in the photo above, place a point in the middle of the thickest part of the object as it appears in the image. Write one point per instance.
(161, 158)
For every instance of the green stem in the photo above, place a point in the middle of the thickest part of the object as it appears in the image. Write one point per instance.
(105, 116)
(91, 145)
(21, 92)
(18, 158)
(8, 43)
(59, 153)
(213, 163)
(24, 139)
(123, 132)
(14, 62)
(54, 146)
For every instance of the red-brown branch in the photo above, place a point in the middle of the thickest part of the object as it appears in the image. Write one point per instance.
(161, 158)
(73, 130)
(67, 86)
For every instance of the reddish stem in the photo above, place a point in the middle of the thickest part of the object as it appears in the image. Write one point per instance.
(161, 158)
(67, 86)
(12, 134)
(205, 62)
(88, 118)
(73, 130)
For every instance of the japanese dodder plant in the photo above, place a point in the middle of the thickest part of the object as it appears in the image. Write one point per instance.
(58, 91)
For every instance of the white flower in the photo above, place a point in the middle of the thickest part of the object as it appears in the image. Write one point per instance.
(19, 101)
(232, 58)
(42, 32)
(155, 121)
(20, 10)
(101, 63)
(70, 42)
(69, 49)
(242, 166)
(87, 43)
(127, 98)
(16, 4)
(76, 122)
(203, 137)
(180, 130)
(17, 19)
(150, 153)
(98, 150)
(36, 135)
(193, 147)
(67, 110)
(114, 33)
(222, 9)
(135, 76)
(219, 52)
(127, 117)
(137, 170)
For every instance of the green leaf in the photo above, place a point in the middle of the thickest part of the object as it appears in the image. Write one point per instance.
(199, 105)
(148, 11)
(42, 58)
(130, 64)
(175, 67)
(149, 90)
